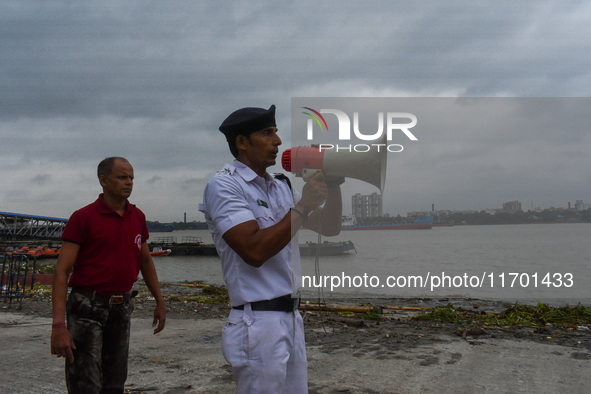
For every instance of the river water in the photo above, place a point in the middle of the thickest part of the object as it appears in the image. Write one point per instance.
(525, 263)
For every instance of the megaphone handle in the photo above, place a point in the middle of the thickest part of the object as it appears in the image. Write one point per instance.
(308, 173)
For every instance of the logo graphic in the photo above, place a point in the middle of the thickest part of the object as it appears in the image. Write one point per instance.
(138, 241)
(318, 115)
(390, 125)
(344, 122)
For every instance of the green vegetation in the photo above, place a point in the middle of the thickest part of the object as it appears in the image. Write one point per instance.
(374, 314)
(545, 216)
(552, 215)
(45, 268)
(38, 287)
(516, 316)
(206, 294)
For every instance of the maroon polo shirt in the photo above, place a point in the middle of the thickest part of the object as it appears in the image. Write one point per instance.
(109, 259)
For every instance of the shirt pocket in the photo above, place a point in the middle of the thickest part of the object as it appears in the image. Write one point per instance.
(264, 216)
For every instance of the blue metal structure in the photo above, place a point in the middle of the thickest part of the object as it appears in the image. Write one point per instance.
(17, 277)
(22, 226)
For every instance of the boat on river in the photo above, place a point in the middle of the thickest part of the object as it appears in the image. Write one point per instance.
(326, 248)
(160, 228)
(38, 252)
(159, 251)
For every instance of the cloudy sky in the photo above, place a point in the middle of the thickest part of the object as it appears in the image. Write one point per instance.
(152, 81)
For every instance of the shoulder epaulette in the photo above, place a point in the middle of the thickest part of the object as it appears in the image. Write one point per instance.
(284, 178)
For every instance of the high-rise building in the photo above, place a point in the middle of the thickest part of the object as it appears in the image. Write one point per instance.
(581, 206)
(366, 206)
(512, 206)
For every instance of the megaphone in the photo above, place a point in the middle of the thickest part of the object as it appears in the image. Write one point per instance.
(367, 164)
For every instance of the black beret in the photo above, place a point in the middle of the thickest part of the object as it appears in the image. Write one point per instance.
(247, 120)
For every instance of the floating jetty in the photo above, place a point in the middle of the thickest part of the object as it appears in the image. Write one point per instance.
(189, 246)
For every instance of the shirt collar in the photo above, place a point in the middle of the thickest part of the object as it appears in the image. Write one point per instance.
(103, 207)
(249, 175)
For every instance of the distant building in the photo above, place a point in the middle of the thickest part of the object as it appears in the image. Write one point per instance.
(441, 213)
(581, 206)
(512, 207)
(366, 206)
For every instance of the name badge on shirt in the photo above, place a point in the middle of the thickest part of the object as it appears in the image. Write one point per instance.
(262, 203)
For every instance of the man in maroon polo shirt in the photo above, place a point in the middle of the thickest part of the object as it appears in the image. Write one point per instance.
(104, 248)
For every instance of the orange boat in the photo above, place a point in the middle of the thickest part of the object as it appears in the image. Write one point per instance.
(157, 251)
(39, 252)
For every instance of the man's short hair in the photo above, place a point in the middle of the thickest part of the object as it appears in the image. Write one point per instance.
(246, 121)
(105, 167)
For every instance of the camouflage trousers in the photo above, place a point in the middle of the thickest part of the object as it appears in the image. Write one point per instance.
(101, 335)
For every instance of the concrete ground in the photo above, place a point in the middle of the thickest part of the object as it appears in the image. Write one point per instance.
(186, 358)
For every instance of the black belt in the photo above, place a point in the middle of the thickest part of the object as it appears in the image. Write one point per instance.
(105, 298)
(284, 303)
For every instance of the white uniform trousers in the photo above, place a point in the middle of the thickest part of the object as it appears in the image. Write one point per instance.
(267, 351)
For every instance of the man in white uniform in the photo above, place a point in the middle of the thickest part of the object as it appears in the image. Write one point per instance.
(254, 218)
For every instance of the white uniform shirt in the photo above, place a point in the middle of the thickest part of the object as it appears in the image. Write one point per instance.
(237, 195)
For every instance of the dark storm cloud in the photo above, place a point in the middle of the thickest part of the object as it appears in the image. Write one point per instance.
(153, 80)
(159, 59)
(41, 179)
